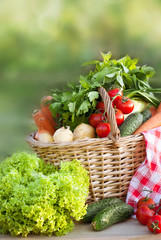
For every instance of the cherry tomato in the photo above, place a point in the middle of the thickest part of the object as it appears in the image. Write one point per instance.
(103, 129)
(95, 119)
(119, 116)
(126, 105)
(100, 106)
(146, 201)
(154, 224)
(112, 93)
(143, 214)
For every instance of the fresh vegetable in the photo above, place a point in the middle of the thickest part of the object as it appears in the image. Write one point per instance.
(114, 213)
(158, 108)
(83, 131)
(143, 214)
(146, 201)
(153, 122)
(78, 101)
(43, 123)
(119, 116)
(154, 224)
(146, 115)
(63, 135)
(139, 105)
(103, 129)
(153, 110)
(45, 103)
(45, 137)
(36, 197)
(39, 133)
(95, 119)
(125, 104)
(95, 207)
(130, 124)
(114, 94)
(100, 106)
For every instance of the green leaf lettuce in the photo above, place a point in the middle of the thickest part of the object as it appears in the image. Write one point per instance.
(38, 198)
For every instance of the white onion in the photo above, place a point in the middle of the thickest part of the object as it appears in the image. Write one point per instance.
(63, 135)
(83, 131)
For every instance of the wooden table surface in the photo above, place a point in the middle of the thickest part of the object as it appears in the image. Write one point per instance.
(128, 230)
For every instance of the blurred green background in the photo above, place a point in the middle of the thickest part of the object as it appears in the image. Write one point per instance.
(44, 43)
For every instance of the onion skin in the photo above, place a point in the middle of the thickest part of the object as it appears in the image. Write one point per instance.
(45, 137)
(83, 131)
(63, 135)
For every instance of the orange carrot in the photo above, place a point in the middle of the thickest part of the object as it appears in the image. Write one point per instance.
(42, 122)
(45, 103)
(158, 108)
(152, 109)
(153, 122)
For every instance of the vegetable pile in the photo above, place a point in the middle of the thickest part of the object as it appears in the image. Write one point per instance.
(81, 99)
(36, 197)
(126, 83)
(149, 213)
(106, 212)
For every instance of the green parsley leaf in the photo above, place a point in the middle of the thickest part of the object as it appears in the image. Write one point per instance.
(72, 106)
(55, 108)
(93, 95)
(106, 56)
(120, 81)
(84, 82)
(84, 107)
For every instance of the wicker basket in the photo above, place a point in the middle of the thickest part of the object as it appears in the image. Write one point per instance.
(111, 162)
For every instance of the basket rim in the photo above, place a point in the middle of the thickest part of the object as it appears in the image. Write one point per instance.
(31, 140)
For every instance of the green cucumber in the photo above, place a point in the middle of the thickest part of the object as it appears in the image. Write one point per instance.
(130, 124)
(95, 207)
(146, 115)
(112, 214)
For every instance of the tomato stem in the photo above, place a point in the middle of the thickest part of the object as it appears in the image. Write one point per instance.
(124, 99)
(152, 206)
(155, 226)
(117, 94)
(147, 196)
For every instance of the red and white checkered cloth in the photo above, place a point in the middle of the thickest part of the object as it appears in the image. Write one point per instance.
(148, 174)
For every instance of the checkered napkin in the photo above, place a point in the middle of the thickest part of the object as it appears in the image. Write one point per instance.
(148, 174)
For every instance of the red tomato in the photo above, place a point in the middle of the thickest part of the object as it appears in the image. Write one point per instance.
(100, 106)
(119, 116)
(154, 224)
(95, 119)
(146, 201)
(112, 93)
(143, 214)
(103, 129)
(126, 105)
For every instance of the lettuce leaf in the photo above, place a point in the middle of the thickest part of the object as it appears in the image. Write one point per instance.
(38, 198)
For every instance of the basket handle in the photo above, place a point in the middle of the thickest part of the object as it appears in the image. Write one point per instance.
(115, 132)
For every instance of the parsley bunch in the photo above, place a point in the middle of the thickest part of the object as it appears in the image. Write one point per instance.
(77, 103)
